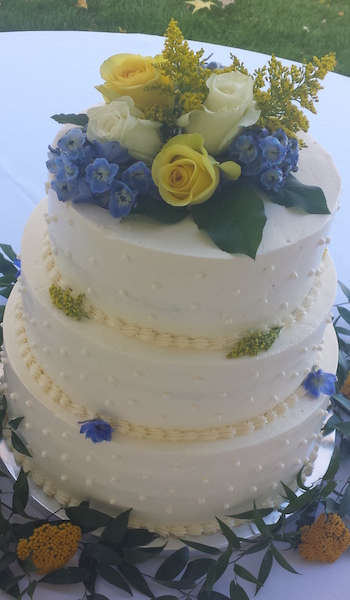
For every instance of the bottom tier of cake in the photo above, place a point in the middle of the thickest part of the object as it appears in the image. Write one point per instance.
(173, 487)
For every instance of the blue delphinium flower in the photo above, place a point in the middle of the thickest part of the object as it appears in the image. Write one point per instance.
(121, 199)
(66, 169)
(66, 189)
(84, 193)
(97, 430)
(71, 143)
(259, 153)
(254, 168)
(293, 153)
(247, 148)
(54, 164)
(100, 175)
(272, 178)
(272, 150)
(214, 65)
(114, 152)
(17, 264)
(319, 382)
(138, 177)
(281, 136)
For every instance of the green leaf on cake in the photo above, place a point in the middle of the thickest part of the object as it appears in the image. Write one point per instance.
(173, 565)
(88, 519)
(160, 211)
(333, 466)
(138, 537)
(234, 219)
(113, 577)
(265, 569)
(237, 592)
(345, 289)
(295, 194)
(65, 576)
(14, 423)
(229, 535)
(72, 119)
(136, 578)
(197, 568)
(115, 531)
(19, 445)
(282, 561)
(8, 250)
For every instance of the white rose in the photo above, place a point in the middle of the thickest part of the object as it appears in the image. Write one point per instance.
(121, 121)
(228, 107)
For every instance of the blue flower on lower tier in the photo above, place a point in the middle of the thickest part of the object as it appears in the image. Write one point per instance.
(319, 382)
(97, 430)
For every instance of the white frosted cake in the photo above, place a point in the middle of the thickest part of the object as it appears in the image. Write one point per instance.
(194, 434)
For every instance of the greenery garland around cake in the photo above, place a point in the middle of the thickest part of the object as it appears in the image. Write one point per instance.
(181, 135)
(36, 551)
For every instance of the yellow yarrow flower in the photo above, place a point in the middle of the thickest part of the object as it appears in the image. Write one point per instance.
(345, 389)
(325, 540)
(50, 547)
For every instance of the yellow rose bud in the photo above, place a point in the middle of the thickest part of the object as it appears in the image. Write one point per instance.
(184, 172)
(133, 75)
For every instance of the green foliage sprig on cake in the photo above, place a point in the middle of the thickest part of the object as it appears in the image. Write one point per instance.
(179, 136)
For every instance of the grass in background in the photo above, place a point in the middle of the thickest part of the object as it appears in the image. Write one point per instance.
(297, 29)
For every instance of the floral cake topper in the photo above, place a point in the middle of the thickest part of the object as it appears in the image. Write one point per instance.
(179, 135)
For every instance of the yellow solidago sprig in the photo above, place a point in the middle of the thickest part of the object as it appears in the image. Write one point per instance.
(255, 342)
(277, 90)
(50, 547)
(186, 74)
(325, 540)
(345, 389)
(66, 301)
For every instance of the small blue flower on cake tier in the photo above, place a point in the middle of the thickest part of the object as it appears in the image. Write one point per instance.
(319, 382)
(97, 430)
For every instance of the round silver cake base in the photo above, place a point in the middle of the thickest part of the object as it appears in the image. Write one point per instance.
(47, 505)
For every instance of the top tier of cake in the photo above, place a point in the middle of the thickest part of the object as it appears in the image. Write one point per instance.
(171, 280)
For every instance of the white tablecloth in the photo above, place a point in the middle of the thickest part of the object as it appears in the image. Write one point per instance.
(43, 73)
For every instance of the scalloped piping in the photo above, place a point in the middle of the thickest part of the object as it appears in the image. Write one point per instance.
(167, 339)
(194, 529)
(139, 431)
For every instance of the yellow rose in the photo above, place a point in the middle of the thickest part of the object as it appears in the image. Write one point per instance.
(184, 172)
(131, 75)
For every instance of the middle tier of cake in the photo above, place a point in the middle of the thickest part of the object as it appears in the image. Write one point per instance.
(149, 390)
